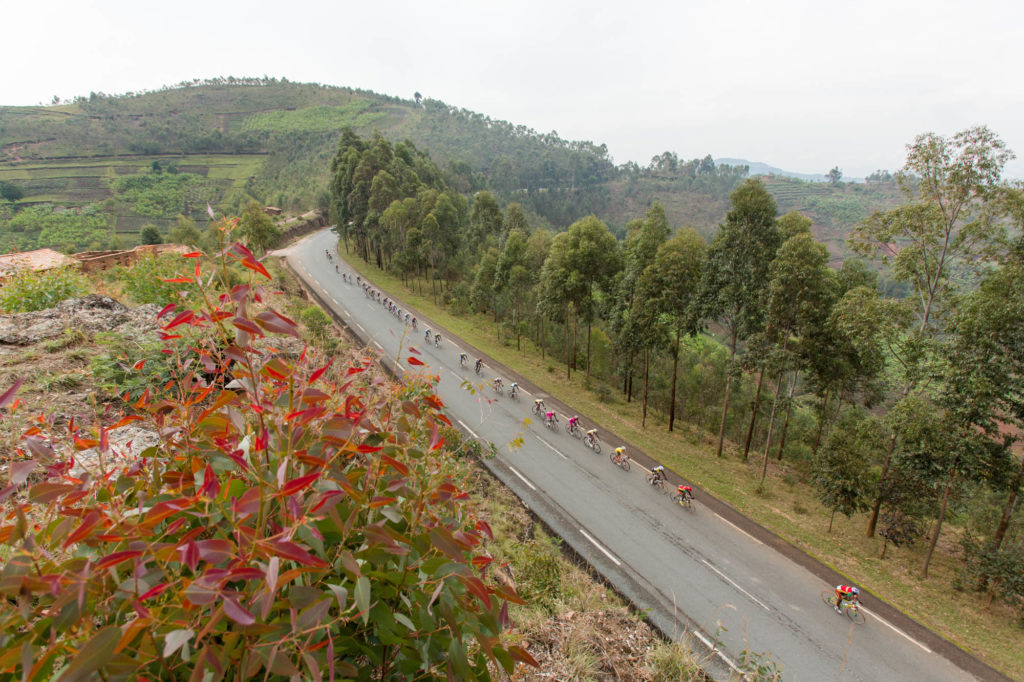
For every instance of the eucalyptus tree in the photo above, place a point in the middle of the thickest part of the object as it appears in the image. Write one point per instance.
(801, 291)
(736, 271)
(513, 277)
(485, 222)
(671, 282)
(643, 239)
(950, 226)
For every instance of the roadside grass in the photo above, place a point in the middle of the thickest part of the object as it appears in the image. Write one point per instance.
(787, 507)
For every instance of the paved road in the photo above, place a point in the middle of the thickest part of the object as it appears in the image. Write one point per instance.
(694, 572)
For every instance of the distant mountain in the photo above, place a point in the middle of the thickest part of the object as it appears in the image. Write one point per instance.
(758, 168)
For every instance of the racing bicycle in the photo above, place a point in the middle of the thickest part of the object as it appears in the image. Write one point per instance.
(853, 610)
(621, 459)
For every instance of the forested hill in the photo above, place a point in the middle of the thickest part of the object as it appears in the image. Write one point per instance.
(272, 140)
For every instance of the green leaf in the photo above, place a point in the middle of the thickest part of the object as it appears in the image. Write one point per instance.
(93, 655)
(363, 597)
(404, 620)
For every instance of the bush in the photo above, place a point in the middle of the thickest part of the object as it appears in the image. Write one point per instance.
(317, 321)
(30, 290)
(150, 234)
(146, 280)
(302, 525)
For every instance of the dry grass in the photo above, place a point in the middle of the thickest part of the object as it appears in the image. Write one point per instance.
(789, 508)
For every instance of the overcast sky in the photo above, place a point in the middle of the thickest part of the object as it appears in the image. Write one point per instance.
(800, 85)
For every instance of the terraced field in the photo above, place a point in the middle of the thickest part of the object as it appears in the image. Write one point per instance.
(75, 182)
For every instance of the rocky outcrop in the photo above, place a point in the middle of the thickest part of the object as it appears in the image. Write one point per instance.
(92, 313)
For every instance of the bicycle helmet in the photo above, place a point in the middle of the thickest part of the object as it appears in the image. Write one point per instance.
(856, 591)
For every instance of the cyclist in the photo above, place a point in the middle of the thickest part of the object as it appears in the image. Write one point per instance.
(620, 454)
(513, 390)
(426, 335)
(463, 359)
(592, 434)
(497, 384)
(552, 418)
(414, 323)
(479, 364)
(574, 422)
(685, 491)
(846, 593)
(437, 340)
(657, 474)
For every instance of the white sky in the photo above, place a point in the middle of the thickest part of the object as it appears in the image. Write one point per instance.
(802, 85)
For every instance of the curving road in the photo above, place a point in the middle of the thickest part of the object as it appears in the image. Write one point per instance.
(695, 574)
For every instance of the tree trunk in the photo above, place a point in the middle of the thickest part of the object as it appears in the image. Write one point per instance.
(789, 411)
(877, 505)
(675, 371)
(771, 425)
(831, 519)
(728, 386)
(568, 371)
(1011, 504)
(643, 422)
(588, 348)
(629, 398)
(575, 325)
(938, 522)
(515, 321)
(753, 414)
(821, 422)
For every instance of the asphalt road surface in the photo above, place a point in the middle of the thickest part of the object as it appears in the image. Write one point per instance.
(694, 573)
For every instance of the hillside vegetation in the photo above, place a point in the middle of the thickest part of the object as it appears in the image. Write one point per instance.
(272, 141)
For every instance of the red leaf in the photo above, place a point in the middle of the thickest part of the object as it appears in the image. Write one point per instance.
(124, 421)
(482, 562)
(413, 349)
(521, 655)
(138, 365)
(296, 484)
(193, 254)
(256, 266)
(369, 448)
(215, 550)
(354, 370)
(275, 322)
(116, 558)
(236, 613)
(181, 318)
(398, 466)
(414, 361)
(8, 395)
(91, 520)
(290, 550)
(166, 309)
(155, 592)
(240, 249)
(179, 280)
(246, 325)
(320, 372)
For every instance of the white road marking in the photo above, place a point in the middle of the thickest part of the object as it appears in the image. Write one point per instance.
(335, 301)
(467, 428)
(378, 345)
(598, 545)
(360, 326)
(711, 645)
(740, 529)
(522, 478)
(895, 629)
(551, 447)
(640, 465)
(736, 585)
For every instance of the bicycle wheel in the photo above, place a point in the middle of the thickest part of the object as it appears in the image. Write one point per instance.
(829, 597)
(688, 504)
(854, 613)
(597, 447)
(624, 463)
(677, 498)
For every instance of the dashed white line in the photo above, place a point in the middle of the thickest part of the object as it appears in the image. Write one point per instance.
(465, 426)
(600, 547)
(378, 345)
(360, 327)
(736, 585)
(522, 478)
(895, 629)
(740, 529)
(551, 447)
(335, 301)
